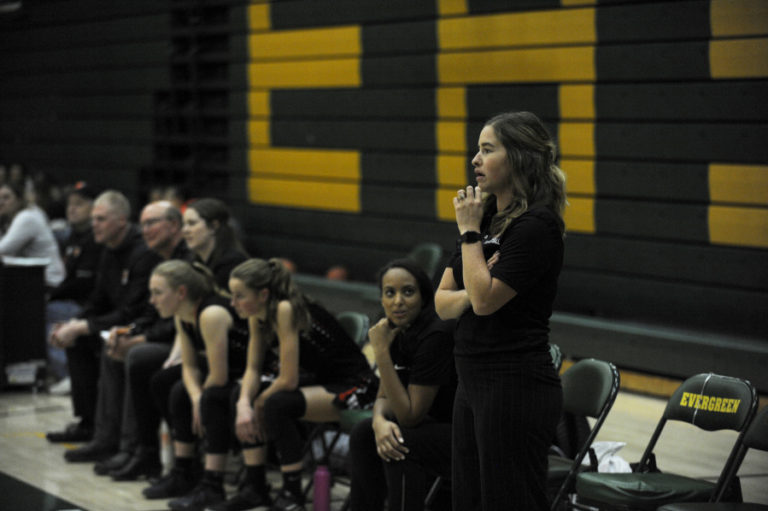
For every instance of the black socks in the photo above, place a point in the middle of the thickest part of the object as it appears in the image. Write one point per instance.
(292, 483)
(214, 479)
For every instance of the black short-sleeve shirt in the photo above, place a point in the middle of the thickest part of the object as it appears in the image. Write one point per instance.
(423, 355)
(531, 257)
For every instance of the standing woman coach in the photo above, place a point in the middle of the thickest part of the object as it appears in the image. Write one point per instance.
(501, 284)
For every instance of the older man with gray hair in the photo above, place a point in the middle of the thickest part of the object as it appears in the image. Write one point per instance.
(120, 297)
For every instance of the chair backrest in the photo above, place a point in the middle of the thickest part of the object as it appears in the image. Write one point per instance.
(428, 256)
(710, 402)
(355, 324)
(590, 388)
(713, 402)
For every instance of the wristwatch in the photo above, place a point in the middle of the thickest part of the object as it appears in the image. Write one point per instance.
(470, 237)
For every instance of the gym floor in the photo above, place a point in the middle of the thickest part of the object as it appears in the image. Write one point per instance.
(35, 477)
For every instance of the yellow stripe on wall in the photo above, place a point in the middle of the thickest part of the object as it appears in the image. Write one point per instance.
(451, 136)
(451, 175)
(329, 164)
(742, 184)
(738, 58)
(258, 133)
(730, 18)
(258, 104)
(580, 176)
(577, 139)
(259, 17)
(738, 226)
(444, 204)
(452, 171)
(452, 7)
(451, 102)
(577, 102)
(305, 194)
(306, 73)
(313, 43)
(571, 64)
(580, 215)
(573, 26)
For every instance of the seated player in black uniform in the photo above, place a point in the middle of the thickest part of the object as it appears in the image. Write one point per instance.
(213, 343)
(290, 336)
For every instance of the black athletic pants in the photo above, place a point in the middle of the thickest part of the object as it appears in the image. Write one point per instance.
(214, 413)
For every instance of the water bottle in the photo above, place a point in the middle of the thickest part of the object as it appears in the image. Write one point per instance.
(322, 489)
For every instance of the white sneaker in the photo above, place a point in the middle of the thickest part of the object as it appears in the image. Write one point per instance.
(62, 387)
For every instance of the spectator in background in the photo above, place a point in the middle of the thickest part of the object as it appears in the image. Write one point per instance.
(151, 349)
(209, 234)
(81, 258)
(48, 196)
(17, 176)
(177, 196)
(120, 298)
(26, 233)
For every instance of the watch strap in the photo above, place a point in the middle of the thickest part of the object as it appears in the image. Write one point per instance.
(470, 237)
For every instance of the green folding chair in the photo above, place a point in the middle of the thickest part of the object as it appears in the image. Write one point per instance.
(755, 438)
(355, 324)
(708, 401)
(427, 255)
(590, 388)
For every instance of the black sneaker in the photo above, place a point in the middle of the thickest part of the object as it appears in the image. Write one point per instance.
(202, 496)
(287, 501)
(175, 484)
(247, 497)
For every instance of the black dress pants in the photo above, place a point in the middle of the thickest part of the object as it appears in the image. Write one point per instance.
(142, 362)
(504, 419)
(83, 359)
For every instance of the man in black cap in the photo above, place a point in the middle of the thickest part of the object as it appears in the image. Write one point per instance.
(81, 258)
